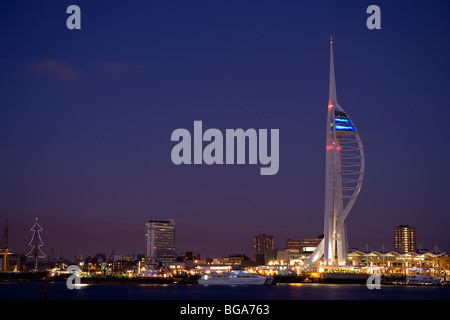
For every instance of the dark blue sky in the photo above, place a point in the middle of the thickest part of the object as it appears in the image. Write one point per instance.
(86, 118)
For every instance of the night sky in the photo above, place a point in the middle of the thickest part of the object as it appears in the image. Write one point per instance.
(86, 118)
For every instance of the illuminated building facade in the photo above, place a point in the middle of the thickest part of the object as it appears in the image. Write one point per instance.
(344, 174)
(303, 245)
(160, 238)
(400, 263)
(405, 239)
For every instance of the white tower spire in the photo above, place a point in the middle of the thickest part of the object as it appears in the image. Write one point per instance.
(344, 172)
(332, 93)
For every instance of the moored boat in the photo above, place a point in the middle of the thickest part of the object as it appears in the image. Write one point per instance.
(419, 279)
(235, 277)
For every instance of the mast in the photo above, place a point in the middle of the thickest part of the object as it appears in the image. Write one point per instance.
(5, 246)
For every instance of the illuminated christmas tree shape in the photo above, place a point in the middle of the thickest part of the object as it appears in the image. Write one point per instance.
(36, 243)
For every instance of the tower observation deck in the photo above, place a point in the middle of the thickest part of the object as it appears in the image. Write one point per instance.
(344, 174)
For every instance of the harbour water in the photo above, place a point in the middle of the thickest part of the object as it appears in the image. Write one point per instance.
(282, 291)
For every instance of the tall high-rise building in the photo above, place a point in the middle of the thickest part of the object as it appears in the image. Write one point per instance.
(262, 242)
(405, 239)
(344, 172)
(160, 238)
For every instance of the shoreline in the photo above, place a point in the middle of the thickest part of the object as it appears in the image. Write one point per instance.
(325, 278)
(43, 277)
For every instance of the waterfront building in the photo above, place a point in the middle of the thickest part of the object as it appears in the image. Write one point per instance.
(306, 245)
(125, 261)
(278, 257)
(188, 256)
(400, 263)
(160, 238)
(45, 263)
(127, 257)
(405, 239)
(12, 261)
(444, 262)
(232, 260)
(270, 255)
(238, 259)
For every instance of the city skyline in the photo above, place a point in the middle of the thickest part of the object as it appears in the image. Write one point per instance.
(86, 117)
(282, 244)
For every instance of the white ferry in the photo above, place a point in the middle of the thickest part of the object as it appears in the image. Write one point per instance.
(422, 280)
(235, 277)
